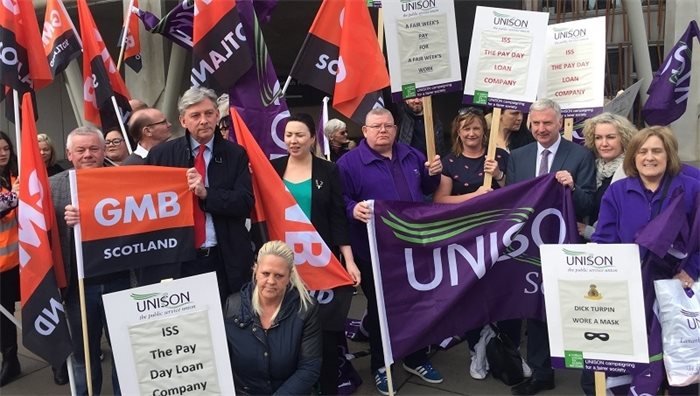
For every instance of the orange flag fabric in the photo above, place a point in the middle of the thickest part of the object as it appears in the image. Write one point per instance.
(24, 66)
(341, 56)
(44, 326)
(60, 39)
(133, 224)
(101, 78)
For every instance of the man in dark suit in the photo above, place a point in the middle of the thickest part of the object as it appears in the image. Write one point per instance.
(219, 177)
(148, 127)
(575, 168)
(85, 147)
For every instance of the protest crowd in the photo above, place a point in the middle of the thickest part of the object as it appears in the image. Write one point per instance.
(291, 237)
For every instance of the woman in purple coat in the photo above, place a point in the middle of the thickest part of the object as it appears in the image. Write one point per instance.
(628, 205)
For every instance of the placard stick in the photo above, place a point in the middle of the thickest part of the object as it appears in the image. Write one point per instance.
(600, 383)
(568, 128)
(491, 151)
(429, 131)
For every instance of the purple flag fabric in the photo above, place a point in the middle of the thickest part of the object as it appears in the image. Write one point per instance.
(457, 267)
(256, 95)
(670, 88)
(176, 25)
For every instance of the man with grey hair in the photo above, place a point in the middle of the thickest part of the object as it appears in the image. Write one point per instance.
(574, 167)
(85, 147)
(220, 181)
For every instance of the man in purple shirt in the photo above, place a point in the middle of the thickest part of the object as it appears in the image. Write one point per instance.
(381, 168)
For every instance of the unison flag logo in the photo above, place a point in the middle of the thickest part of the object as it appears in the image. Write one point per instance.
(441, 230)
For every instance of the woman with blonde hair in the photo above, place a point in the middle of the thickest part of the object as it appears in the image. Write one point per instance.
(272, 328)
(607, 135)
(48, 154)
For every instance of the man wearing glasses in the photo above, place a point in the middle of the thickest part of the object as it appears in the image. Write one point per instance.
(380, 168)
(148, 127)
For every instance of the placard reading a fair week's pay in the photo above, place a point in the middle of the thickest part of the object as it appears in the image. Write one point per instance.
(594, 301)
(421, 46)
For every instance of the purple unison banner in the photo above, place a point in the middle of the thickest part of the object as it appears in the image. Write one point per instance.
(443, 269)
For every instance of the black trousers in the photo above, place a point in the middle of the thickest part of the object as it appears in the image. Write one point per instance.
(9, 294)
(375, 339)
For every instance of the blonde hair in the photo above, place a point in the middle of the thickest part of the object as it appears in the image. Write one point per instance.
(283, 251)
(622, 125)
(673, 162)
(42, 137)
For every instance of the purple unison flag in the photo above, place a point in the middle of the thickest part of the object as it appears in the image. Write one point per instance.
(176, 25)
(670, 88)
(451, 268)
(256, 95)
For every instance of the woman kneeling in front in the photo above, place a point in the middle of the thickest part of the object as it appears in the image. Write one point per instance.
(272, 329)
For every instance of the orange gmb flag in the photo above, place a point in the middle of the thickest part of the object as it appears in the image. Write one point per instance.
(101, 79)
(317, 266)
(24, 66)
(365, 68)
(132, 52)
(341, 56)
(59, 37)
(44, 326)
(133, 224)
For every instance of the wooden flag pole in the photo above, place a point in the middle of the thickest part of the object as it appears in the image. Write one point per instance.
(491, 151)
(429, 130)
(568, 128)
(600, 383)
(86, 346)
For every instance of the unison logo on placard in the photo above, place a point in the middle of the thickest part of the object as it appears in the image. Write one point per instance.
(567, 33)
(577, 258)
(501, 19)
(158, 301)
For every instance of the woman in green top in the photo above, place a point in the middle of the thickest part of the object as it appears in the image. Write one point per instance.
(316, 186)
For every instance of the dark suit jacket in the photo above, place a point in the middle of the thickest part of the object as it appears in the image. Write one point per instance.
(229, 201)
(327, 206)
(576, 159)
(134, 159)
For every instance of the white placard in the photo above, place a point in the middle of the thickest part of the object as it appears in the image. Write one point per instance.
(169, 338)
(422, 48)
(506, 57)
(574, 73)
(594, 303)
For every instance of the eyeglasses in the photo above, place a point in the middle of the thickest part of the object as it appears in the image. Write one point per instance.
(163, 121)
(378, 127)
(470, 110)
(114, 142)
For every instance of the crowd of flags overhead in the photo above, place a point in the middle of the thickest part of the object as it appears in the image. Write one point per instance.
(342, 31)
